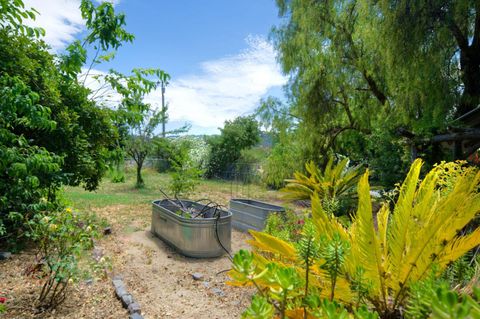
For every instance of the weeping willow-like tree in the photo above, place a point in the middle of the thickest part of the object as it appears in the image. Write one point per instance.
(363, 72)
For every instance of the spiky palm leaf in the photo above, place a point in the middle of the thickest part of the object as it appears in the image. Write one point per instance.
(336, 180)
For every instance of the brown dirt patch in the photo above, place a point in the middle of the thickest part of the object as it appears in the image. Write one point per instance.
(159, 278)
(95, 300)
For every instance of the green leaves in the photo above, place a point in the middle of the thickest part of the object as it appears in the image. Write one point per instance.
(282, 279)
(244, 264)
(259, 309)
(62, 236)
(336, 181)
(12, 15)
(106, 27)
(25, 169)
(450, 305)
(237, 135)
(71, 64)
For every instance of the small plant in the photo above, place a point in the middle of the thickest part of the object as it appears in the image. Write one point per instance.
(184, 180)
(3, 307)
(448, 304)
(62, 237)
(287, 226)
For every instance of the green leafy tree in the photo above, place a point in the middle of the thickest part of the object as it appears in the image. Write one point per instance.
(12, 14)
(226, 148)
(285, 157)
(399, 70)
(139, 117)
(53, 133)
(29, 174)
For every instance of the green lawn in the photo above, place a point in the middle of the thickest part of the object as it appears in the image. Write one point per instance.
(109, 193)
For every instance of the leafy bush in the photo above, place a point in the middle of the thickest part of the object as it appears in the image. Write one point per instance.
(388, 156)
(116, 165)
(116, 174)
(29, 174)
(237, 135)
(62, 237)
(371, 262)
(247, 167)
(281, 164)
(185, 170)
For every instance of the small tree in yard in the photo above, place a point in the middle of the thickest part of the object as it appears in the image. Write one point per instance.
(138, 116)
(139, 144)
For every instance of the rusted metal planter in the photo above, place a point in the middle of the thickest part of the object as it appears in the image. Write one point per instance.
(251, 214)
(192, 237)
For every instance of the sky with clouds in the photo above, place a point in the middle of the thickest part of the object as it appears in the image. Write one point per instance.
(216, 52)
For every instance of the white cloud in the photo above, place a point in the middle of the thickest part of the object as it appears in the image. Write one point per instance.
(226, 88)
(114, 2)
(61, 19)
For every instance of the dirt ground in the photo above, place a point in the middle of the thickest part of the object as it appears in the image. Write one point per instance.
(159, 278)
(162, 281)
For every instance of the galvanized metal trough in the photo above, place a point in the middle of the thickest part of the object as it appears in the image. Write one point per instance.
(192, 237)
(251, 214)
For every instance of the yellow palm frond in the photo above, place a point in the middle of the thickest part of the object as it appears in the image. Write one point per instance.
(326, 224)
(366, 248)
(398, 230)
(272, 244)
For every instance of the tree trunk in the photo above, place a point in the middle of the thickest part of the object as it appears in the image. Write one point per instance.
(140, 182)
(469, 64)
(470, 68)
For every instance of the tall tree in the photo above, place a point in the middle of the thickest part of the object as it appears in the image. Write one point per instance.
(51, 132)
(361, 69)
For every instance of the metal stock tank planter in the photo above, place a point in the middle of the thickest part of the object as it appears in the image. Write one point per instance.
(251, 214)
(193, 229)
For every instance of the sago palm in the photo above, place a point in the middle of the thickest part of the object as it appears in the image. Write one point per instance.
(335, 181)
(391, 251)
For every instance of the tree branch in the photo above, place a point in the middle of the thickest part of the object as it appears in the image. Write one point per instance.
(459, 36)
(476, 31)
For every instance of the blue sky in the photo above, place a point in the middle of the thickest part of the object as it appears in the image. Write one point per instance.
(216, 52)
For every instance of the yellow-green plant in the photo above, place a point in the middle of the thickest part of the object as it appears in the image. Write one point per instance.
(378, 258)
(335, 181)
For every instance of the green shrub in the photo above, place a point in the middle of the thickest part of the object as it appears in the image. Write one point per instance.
(61, 238)
(29, 175)
(116, 174)
(448, 304)
(281, 164)
(237, 135)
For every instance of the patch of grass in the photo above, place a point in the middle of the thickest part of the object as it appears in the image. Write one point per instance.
(109, 194)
